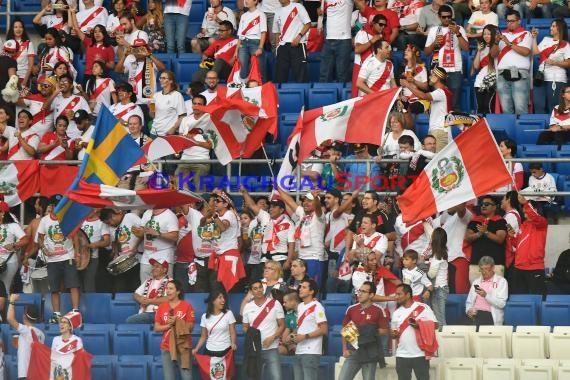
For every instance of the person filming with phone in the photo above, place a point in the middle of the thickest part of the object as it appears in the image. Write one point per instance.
(487, 297)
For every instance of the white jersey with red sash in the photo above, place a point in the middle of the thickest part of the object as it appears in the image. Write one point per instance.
(88, 18)
(406, 345)
(557, 51)
(61, 106)
(508, 57)
(558, 117)
(310, 316)
(362, 37)
(22, 56)
(226, 51)
(335, 231)
(264, 318)
(411, 236)
(376, 242)
(101, 94)
(410, 12)
(277, 233)
(53, 21)
(55, 55)
(62, 355)
(42, 120)
(251, 25)
(289, 22)
(124, 111)
(419, 73)
(185, 248)
(484, 57)
(449, 54)
(15, 149)
(377, 74)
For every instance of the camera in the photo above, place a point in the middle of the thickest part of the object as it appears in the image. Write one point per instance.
(477, 287)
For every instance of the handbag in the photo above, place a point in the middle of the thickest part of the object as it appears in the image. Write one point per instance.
(4, 264)
(489, 82)
(538, 79)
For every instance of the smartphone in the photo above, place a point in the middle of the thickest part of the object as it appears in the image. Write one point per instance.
(477, 287)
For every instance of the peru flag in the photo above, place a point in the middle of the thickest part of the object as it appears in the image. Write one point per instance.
(46, 364)
(356, 120)
(56, 179)
(470, 166)
(214, 368)
(19, 181)
(95, 195)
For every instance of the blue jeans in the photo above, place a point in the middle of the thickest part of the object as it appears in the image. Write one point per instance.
(181, 274)
(247, 49)
(169, 368)
(502, 10)
(175, 27)
(351, 366)
(306, 366)
(335, 59)
(141, 318)
(438, 299)
(454, 81)
(546, 98)
(271, 364)
(314, 270)
(514, 95)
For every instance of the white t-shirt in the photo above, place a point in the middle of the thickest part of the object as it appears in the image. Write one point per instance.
(312, 231)
(24, 347)
(270, 6)
(373, 69)
(9, 234)
(95, 230)
(339, 15)
(157, 248)
(210, 24)
(455, 227)
(450, 44)
(416, 278)
(167, 110)
(104, 97)
(411, 13)
(124, 236)
(193, 217)
(283, 226)
(479, 20)
(315, 315)
(229, 237)
(58, 247)
(156, 289)
(86, 22)
(376, 242)
(136, 35)
(209, 95)
(438, 110)
(554, 73)
(218, 327)
(30, 136)
(410, 236)
(440, 266)
(188, 123)
(34, 104)
(336, 231)
(407, 344)
(362, 37)
(300, 17)
(26, 51)
(172, 7)
(512, 58)
(251, 25)
(391, 146)
(269, 324)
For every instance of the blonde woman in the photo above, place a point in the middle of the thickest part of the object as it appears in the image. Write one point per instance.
(153, 24)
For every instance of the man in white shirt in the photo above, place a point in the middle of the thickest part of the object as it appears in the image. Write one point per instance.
(130, 31)
(377, 71)
(290, 28)
(445, 43)
(213, 87)
(335, 56)
(513, 55)
(151, 293)
(22, 142)
(405, 326)
(91, 16)
(267, 316)
(83, 123)
(312, 325)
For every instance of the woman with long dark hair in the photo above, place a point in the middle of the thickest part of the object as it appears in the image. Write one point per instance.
(55, 52)
(438, 268)
(97, 46)
(414, 71)
(12, 238)
(486, 79)
(100, 88)
(514, 217)
(508, 149)
(554, 59)
(25, 55)
(52, 16)
(559, 131)
(167, 320)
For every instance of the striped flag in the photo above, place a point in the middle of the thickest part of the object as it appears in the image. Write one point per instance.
(468, 167)
(19, 181)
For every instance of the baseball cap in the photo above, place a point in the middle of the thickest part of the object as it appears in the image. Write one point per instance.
(11, 46)
(164, 263)
(80, 115)
(277, 203)
(357, 148)
(336, 146)
(139, 42)
(309, 196)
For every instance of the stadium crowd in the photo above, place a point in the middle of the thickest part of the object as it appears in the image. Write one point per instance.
(284, 255)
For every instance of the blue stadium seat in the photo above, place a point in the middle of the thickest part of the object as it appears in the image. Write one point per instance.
(134, 326)
(335, 311)
(521, 313)
(198, 304)
(296, 86)
(287, 123)
(185, 68)
(192, 56)
(537, 151)
(334, 346)
(562, 167)
(105, 327)
(466, 102)
(234, 301)
(555, 313)
(291, 100)
(65, 305)
(156, 372)
(96, 342)
(153, 342)
(123, 297)
(273, 151)
(527, 130)
(422, 125)
(565, 298)
(132, 369)
(320, 97)
(314, 63)
(198, 10)
(166, 58)
(455, 307)
(25, 300)
(340, 297)
(345, 94)
(566, 187)
(95, 307)
(103, 366)
(50, 334)
(193, 29)
(504, 123)
(338, 86)
(128, 342)
(536, 298)
(122, 310)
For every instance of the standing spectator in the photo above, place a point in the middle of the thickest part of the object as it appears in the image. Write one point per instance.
(512, 51)
(66, 344)
(427, 19)
(409, 17)
(488, 295)
(364, 45)
(390, 147)
(371, 324)
(12, 238)
(55, 52)
(153, 25)
(100, 88)
(392, 29)
(213, 88)
(445, 43)
(216, 14)
(441, 104)
(252, 33)
(298, 274)
(126, 107)
(511, 206)
(355, 169)
(27, 333)
(486, 79)
(151, 293)
(26, 53)
(335, 57)
(422, 287)
(480, 19)
(22, 141)
(113, 23)
(290, 30)
(8, 67)
(504, 7)
(60, 252)
(554, 60)
(129, 31)
(97, 45)
(263, 317)
(169, 109)
(311, 327)
(486, 234)
(291, 301)
(377, 72)
(176, 15)
(175, 318)
(558, 132)
(405, 326)
(222, 51)
(508, 149)
(98, 234)
(47, 18)
(90, 16)
(64, 102)
(438, 273)
(415, 71)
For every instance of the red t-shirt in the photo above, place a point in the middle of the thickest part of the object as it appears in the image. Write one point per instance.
(105, 53)
(391, 16)
(218, 49)
(183, 311)
(50, 138)
(372, 315)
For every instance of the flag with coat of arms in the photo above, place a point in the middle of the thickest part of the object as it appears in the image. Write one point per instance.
(216, 368)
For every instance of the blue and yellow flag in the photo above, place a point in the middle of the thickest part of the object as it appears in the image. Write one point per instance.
(110, 153)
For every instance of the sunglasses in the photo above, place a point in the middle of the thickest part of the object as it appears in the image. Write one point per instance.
(381, 24)
(445, 17)
(511, 21)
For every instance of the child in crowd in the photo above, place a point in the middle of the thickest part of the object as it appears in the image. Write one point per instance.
(438, 273)
(541, 181)
(416, 278)
(290, 301)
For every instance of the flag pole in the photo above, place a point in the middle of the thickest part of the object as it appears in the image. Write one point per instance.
(267, 160)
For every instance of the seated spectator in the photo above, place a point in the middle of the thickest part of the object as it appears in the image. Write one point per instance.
(558, 132)
(560, 283)
(391, 147)
(125, 107)
(100, 88)
(487, 297)
(486, 79)
(391, 31)
(113, 24)
(23, 141)
(541, 181)
(504, 7)
(216, 14)
(57, 145)
(358, 168)
(481, 18)
(151, 293)
(220, 55)
(414, 71)
(213, 87)
(508, 150)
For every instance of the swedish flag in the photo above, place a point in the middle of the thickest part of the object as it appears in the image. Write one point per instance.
(110, 153)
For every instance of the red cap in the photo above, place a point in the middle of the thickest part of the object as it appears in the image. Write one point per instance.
(4, 207)
(163, 263)
(74, 319)
(139, 42)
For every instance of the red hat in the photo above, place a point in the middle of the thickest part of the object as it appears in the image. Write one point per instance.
(74, 318)
(139, 42)
(11, 46)
(4, 207)
(164, 263)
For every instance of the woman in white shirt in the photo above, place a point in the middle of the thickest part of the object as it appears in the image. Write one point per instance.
(438, 268)
(167, 107)
(397, 129)
(218, 326)
(25, 55)
(414, 71)
(12, 238)
(485, 80)
(558, 132)
(554, 59)
(252, 33)
(481, 18)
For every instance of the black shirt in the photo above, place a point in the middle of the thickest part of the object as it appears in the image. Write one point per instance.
(483, 246)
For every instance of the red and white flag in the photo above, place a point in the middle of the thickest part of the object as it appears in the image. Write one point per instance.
(357, 120)
(234, 79)
(290, 162)
(46, 364)
(468, 167)
(19, 181)
(95, 195)
(56, 179)
(164, 146)
(214, 368)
